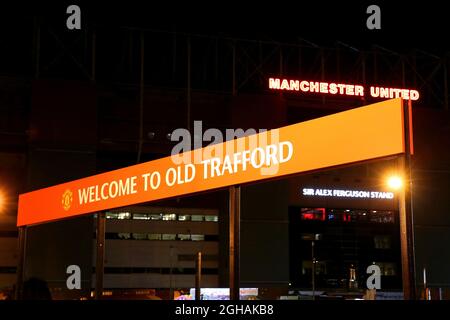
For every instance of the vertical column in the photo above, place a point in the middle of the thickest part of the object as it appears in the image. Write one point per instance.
(37, 46)
(198, 275)
(234, 225)
(94, 55)
(233, 89)
(313, 260)
(100, 263)
(406, 215)
(188, 115)
(21, 263)
(141, 99)
(444, 65)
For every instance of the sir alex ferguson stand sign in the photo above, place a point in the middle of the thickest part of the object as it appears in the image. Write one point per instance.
(352, 136)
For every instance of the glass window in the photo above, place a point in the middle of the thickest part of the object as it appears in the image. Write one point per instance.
(154, 236)
(212, 218)
(184, 217)
(169, 236)
(155, 216)
(381, 216)
(313, 214)
(387, 268)
(140, 216)
(197, 217)
(198, 237)
(112, 215)
(211, 237)
(169, 217)
(320, 267)
(346, 215)
(382, 242)
(124, 215)
(184, 237)
(360, 215)
(124, 236)
(139, 236)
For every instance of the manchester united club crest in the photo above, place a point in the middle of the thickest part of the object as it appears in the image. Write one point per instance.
(67, 198)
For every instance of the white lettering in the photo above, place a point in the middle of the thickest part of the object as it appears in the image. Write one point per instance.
(108, 190)
(348, 193)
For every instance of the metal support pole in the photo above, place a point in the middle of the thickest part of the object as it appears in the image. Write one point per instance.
(233, 89)
(170, 273)
(141, 100)
(281, 68)
(300, 58)
(405, 213)
(234, 232)
(281, 62)
(216, 60)
(313, 271)
(403, 71)
(188, 117)
(37, 47)
(375, 67)
(322, 70)
(174, 54)
(21, 263)
(198, 275)
(426, 290)
(130, 52)
(94, 52)
(338, 64)
(363, 70)
(444, 64)
(100, 263)
(415, 69)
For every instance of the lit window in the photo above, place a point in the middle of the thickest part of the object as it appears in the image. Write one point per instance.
(154, 236)
(198, 237)
(184, 237)
(140, 216)
(112, 215)
(320, 267)
(387, 268)
(184, 217)
(169, 236)
(382, 242)
(155, 216)
(313, 214)
(124, 215)
(169, 217)
(139, 236)
(212, 218)
(197, 218)
(124, 236)
(382, 217)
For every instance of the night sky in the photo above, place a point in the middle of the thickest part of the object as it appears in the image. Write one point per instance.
(404, 24)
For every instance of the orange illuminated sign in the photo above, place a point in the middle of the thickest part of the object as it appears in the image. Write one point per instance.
(352, 136)
(333, 88)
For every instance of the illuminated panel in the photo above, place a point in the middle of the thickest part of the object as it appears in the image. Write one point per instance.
(347, 137)
(341, 89)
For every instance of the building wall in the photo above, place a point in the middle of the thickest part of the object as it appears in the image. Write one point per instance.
(12, 174)
(62, 136)
(264, 235)
(431, 201)
(144, 263)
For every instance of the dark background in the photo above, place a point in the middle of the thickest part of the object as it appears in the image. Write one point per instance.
(61, 119)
